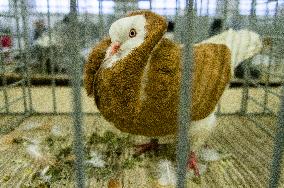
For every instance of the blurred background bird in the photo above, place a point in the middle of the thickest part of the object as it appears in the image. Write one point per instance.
(135, 73)
(239, 72)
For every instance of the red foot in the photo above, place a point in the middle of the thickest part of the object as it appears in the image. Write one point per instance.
(153, 145)
(192, 163)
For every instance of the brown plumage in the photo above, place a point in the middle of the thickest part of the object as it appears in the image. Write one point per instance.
(117, 90)
(94, 62)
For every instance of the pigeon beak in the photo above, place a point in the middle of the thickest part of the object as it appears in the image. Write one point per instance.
(115, 48)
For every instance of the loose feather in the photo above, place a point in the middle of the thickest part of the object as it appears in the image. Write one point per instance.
(43, 176)
(167, 175)
(57, 131)
(210, 155)
(31, 125)
(34, 151)
(96, 160)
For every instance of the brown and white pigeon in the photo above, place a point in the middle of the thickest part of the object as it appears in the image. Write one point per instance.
(135, 74)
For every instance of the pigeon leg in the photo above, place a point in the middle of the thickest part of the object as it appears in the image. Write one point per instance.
(192, 163)
(153, 145)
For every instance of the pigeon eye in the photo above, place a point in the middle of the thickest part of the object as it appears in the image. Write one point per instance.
(132, 33)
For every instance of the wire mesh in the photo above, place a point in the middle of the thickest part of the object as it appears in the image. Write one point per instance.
(46, 60)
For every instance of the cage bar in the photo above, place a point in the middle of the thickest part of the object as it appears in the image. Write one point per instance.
(4, 89)
(269, 63)
(11, 69)
(77, 107)
(276, 165)
(24, 13)
(261, 105)
(11, 102)
(185, 97)
(260, 125)
(50, 51)
(22, 65)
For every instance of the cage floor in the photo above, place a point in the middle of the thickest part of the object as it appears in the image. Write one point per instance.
(248, 149)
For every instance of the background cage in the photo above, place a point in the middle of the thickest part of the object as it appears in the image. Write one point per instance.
(39, 86)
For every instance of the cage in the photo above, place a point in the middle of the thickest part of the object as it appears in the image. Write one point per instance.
(53, 135)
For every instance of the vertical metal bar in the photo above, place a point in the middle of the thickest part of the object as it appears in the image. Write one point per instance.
(207, 12)
(237, 13)
(267, 79)
(100, 7)
(266, 9)
(278, 149)
(84, 12)
(101, 20)
(207, 15)
(5, 87)
(4, 80)
(225, 11)
(177, 7)
(50, 53)
(164, 8)
(201, 7)
(266, 83)
(75, 70)
(216, 8)
(14, 6)
(18, 35)
(265, 99)
(219, 108)
(10, 6)
(24, 90)
(16, 13)
(195, 7)
(2, 69)
(245, 92)
(185, 97)
(24, 13)
(253, 15)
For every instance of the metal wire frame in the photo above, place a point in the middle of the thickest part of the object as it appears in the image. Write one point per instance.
(182, 143)
(51, 60)
(11, 69)
(277, 158)
(270, 64)
(77, 107)
(26, 58)
(185, 97)
(21, 66)
(275, 171)
(5, 90)
(21, 116)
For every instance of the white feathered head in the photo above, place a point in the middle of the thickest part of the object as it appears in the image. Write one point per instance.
(131, 32)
